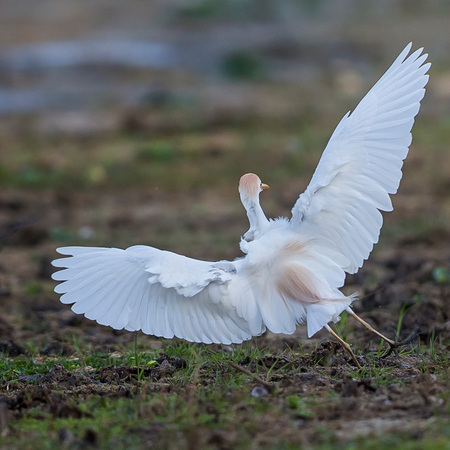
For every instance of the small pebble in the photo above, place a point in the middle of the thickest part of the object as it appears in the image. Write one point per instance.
(259, 391)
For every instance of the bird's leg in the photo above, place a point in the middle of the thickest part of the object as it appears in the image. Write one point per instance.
(345, 345)
(370, 328)
(393, 345)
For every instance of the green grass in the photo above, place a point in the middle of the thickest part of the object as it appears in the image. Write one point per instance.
(191, 403)
(205, 397)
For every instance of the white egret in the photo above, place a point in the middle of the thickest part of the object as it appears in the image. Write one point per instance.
(293, 268)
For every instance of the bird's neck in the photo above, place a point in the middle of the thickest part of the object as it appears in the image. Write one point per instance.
(257, 218)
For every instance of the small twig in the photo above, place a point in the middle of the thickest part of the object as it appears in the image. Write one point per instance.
(16, 225)
(192, 393)
(268, 386)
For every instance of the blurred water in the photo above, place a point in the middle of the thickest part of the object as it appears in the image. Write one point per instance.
(78, 53)
(73, 75)
(77, 74)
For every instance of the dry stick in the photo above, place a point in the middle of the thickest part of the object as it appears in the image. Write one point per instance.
(267, 385)
(192, 393)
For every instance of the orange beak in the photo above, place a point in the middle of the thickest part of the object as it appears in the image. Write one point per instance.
(264, 186)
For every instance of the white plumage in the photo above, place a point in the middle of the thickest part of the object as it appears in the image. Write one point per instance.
(292, 269)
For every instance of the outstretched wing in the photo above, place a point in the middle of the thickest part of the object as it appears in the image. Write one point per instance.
(158, 292)
(361, 165)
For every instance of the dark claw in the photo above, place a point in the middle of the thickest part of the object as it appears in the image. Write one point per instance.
(393, 347)
(390, 350)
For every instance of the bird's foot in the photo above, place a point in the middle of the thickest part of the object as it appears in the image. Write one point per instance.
(394, 345)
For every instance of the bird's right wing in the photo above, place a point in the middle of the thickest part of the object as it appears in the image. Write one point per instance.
(361, 165)
(159, 292)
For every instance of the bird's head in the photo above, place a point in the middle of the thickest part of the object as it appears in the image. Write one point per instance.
(250, 185)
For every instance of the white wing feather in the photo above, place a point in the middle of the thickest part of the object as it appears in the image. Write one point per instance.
(165, 294)
(361, 165)
(158, 292)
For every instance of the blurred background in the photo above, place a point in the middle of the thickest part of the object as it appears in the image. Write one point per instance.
(131, 122)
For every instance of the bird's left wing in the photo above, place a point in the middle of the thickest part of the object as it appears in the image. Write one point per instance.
(361, 165)
(158, 292)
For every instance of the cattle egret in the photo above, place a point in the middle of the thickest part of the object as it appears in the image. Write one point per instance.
(293, 268)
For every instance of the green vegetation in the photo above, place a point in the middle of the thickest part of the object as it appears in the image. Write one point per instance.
(244, 65)
(194, 394)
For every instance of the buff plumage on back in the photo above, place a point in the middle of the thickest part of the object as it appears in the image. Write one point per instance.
(292, 269)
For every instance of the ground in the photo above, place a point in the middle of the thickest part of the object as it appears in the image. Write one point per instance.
(164, 171)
